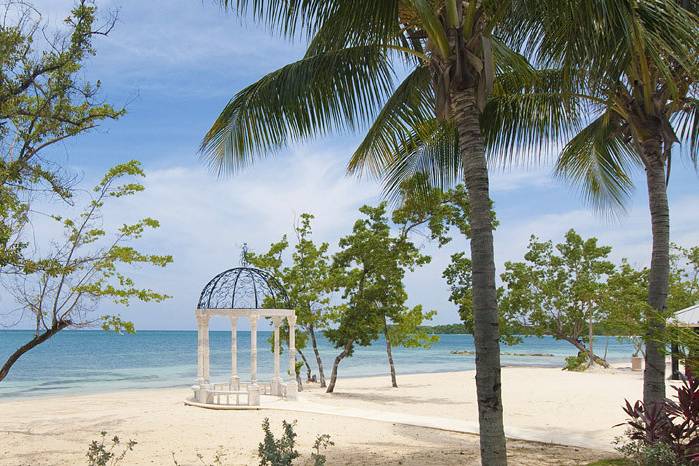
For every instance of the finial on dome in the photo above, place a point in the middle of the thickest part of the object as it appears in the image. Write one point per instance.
(244, 256)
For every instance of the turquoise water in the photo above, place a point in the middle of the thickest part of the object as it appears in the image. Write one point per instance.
(95, 361)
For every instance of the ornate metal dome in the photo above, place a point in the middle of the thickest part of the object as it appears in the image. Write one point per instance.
(244, 288)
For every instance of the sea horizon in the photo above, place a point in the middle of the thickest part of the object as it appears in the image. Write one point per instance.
(94, 361)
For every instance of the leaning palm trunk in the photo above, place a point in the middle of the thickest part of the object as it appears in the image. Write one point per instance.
(319, 361)
(654, 373)
(485, 313)
(389, 353)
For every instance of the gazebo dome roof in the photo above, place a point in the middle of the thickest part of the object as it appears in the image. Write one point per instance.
(244, 288)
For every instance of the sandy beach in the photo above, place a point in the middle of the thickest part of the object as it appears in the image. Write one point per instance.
(426, 420)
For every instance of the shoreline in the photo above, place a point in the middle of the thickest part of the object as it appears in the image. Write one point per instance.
(87, 391)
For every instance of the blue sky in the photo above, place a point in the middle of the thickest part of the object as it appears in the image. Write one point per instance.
(174, 64)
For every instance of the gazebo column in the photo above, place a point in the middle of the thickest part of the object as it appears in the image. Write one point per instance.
(277, 381)
(202, 390)
(235, 380)
(292, 388)
(253, 388)
(207, 349)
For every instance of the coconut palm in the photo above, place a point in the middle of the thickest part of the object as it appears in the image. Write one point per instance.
(639, 83)
(463, 90)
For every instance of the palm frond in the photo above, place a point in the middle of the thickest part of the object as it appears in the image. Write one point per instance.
(349, 26)
(432, 151)
(598, 160)
(338, 90)
(610, 38)
(686, 123)
(409, 106)
(530, 115)
(305, 18)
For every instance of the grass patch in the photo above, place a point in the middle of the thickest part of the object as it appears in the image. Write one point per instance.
(614, 462)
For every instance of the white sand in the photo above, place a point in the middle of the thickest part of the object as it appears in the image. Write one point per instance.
(365, 417)
(541, 404)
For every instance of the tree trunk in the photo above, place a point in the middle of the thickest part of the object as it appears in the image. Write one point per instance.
(309, 373)
(591, 354)
(338, 359)
(486, 332)
(582, 349)
(394, 383)
(658, 277)
(34, 342)
(319, 361)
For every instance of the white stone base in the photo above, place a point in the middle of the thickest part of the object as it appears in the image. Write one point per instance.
(235, 383)
(292, 390)
(253, 395)
(276, 387)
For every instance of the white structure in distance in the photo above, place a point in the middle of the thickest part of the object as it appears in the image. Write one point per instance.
(250, 293)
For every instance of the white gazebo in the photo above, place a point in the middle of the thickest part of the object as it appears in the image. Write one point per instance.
(250, 293)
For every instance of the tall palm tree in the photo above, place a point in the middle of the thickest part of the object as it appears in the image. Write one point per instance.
(464, 90)
(634, 64)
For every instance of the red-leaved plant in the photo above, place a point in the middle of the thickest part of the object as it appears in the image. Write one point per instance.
(674, 423)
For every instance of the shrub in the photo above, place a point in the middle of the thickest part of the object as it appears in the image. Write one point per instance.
(216, 461)
(282, 452)
(665, 433)
(322, 442)
(576, 363)
(99, 453)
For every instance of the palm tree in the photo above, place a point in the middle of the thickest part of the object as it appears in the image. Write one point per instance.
(638, 82)
(464, 91)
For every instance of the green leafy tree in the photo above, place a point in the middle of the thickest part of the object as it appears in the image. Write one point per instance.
(683, 290)
(464, 91)
(369, 271)
(43, 101)
(634, 67)
(306, 281)
(65, 288)
(458, 275)
(625, 301)
(556, 290)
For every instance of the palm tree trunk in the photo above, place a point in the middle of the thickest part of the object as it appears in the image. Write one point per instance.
(485, 312)
(658, 278)
(338, 359)
(394, 383)
(33, 343)
(590, 338)
(319, 361)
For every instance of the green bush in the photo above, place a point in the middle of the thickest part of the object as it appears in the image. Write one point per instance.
(103, 453)
(576, 363)
(643, 454)
(282, 452)
(322, 442)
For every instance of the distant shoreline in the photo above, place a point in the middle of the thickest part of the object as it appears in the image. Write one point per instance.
(186, 386)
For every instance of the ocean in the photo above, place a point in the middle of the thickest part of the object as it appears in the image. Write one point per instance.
(95, 361)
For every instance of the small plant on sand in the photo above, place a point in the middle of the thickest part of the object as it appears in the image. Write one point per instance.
(103, 453)
(576, 363)
(322, 442)
(216, 461)
(665, 433)
(282, 452)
